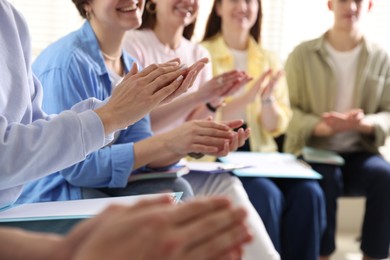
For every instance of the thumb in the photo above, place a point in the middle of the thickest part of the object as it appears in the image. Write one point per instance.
(134, 69)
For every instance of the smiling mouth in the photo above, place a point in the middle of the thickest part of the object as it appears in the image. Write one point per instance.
(131, 8)
(185, 11)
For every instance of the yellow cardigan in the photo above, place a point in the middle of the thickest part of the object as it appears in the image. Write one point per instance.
(259, 60)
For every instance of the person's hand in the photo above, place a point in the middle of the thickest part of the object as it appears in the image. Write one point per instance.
(238, 139)
(322, 129)
(205, 137)
(140, 92)
(197, 136)
(355, 118)
(264, 86)
(267, 91)
(154, 229)
(190, 75)
(225, 84)
(341, 122)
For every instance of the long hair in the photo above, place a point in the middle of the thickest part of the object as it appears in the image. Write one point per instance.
(214, 23)
(149, 22)
(80, 7)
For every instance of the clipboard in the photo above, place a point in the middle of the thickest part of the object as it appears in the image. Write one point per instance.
(71, 209)
(271, 165)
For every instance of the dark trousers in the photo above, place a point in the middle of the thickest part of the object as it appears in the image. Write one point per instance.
(293, 212)
(363, 174)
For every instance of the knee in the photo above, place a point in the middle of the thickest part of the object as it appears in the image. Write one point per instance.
(182, 185)
(381, 179)
(310, 190)
(263, 188)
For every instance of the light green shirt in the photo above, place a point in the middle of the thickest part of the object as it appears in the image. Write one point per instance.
(312, 88)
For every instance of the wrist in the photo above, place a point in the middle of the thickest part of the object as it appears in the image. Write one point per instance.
(268, 100)
(365, 128)
(195, 155)
(211, 108)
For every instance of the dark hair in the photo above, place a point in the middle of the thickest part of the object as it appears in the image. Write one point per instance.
(149, 22)
(213, 26)
(80, 7)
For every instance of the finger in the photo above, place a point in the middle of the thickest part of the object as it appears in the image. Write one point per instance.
(234, 123)
(230, 90)
(134, 69)
(209, 123)
(231, 245)
(263, 76)
(234, 254)
(187, 82)
(237, 86)
(203, 61)
(210, 141)
(163, 76)
(193, 72)
(167, 94)
(247, 133)
(152, 202)
(192, 210)
(177, 59)
(225, 150)
(220, 227)
(227, 78)
(242, 137)
(212, 135)
(204, 149)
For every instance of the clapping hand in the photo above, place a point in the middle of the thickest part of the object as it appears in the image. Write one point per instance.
(342, 122)
(141, 92)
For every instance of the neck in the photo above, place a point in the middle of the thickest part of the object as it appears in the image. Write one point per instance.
(168, 35)
(235, 40)
(110, 41)
(343, 40)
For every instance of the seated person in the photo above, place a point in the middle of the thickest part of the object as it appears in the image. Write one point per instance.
(339, 91)
(293, 210)
(286, 206)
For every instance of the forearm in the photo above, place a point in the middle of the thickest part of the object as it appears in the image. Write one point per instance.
(201, 112)
(181, 107)
(269, 115)
(18, 244)
(152, 152)
(234, 109)
(107, 167)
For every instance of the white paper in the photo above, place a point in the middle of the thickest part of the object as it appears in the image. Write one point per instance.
(71, 209)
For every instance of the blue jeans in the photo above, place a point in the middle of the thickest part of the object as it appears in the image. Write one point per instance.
(293, 212)
(363, 174)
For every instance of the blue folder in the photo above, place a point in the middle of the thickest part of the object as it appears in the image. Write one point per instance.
(271, 165)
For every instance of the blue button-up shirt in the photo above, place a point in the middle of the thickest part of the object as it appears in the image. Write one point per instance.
(73, 69)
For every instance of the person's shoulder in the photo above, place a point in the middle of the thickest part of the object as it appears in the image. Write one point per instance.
(138, 37)
(307, 45)
(59, 54)
(304, 50)
(193, 48)
(211, 44)
(377, 51)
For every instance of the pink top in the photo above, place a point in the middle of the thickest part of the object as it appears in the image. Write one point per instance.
(147, 49)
